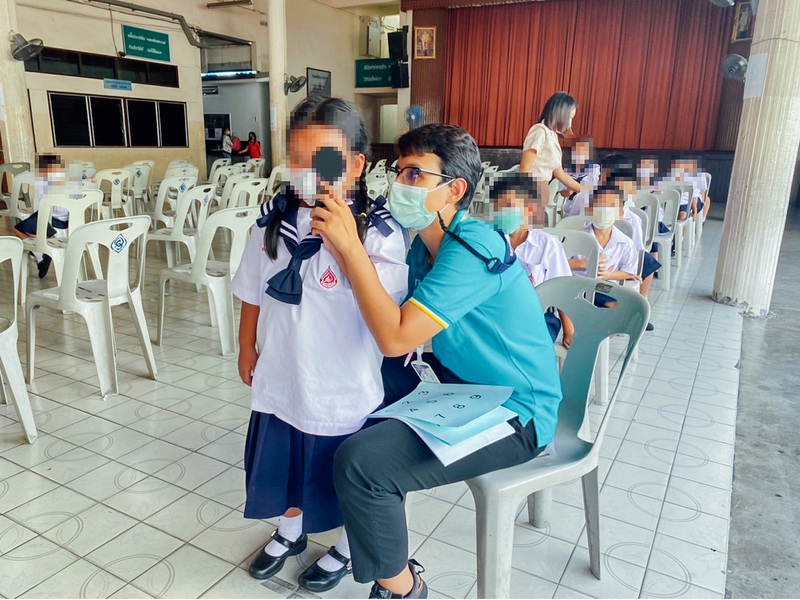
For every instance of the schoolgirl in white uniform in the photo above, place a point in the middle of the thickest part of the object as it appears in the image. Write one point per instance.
(305, 350)
(586, 172)
(517, 212)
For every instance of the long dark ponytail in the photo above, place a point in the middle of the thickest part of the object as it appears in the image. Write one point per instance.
(345, 117)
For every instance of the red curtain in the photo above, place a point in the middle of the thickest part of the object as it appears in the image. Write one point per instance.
(645, 73)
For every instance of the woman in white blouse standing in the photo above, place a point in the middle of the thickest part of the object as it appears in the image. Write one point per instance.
(541, 151)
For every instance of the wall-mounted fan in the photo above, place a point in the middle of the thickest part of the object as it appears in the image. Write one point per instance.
(414, 116)
(293, 84)
(734, 67)
(22, 49)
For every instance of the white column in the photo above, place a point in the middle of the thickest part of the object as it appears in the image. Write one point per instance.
(16, 127)
(278, 101)
(766, 151)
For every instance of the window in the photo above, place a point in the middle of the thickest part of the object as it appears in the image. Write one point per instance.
(107, 121)
(134, 71)
(173, 124)
(142, 123)
(98, 66)
(94, 65)
(59, 62)
(70, 120)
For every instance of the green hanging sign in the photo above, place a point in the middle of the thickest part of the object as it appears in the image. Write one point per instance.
(145, 43)
(375, 72)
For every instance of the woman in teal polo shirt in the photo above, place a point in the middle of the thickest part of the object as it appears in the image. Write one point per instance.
(487, 325)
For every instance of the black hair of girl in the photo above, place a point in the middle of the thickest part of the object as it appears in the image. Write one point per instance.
(557, 111)
(344, 117)
(252, 134)
(519, 183)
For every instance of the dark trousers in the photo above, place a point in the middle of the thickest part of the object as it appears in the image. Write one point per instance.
(375, 468)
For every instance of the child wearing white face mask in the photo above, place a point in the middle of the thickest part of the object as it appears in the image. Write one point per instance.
(305, 351)
(619, 260)
(517, 212)
(584, 170)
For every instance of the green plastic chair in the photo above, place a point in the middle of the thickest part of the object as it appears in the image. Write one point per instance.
(499, 494)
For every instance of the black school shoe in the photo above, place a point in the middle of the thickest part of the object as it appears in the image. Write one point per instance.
(317, 579)
(418, 590)
(265, 565)
(44, 265)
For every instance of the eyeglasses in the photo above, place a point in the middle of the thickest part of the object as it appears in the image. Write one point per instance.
(410, 175)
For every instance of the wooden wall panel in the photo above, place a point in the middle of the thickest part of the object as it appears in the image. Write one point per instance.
(730, 105)
(428, 75)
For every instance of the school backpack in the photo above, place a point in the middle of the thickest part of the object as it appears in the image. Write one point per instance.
(236, 143)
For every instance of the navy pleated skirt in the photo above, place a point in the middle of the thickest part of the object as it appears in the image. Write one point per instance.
(285, 468)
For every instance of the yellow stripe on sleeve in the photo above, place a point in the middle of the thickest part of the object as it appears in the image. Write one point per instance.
(439, 321)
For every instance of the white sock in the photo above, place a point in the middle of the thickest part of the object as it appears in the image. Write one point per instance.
(330, 564)
(289, 527)
(38, 255)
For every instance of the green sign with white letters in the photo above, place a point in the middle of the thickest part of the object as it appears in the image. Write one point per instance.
(145, 43)
(376, 72)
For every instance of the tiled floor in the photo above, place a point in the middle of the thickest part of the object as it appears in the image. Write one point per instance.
(140, 495)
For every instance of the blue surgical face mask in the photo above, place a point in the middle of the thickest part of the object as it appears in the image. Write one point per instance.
(508, 220)
(407, 205)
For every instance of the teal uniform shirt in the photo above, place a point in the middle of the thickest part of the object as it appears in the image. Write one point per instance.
(494, 329)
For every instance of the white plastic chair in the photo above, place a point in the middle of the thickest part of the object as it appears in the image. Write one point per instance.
(684, 228)
(215, 275)
(551, 208)
(256, 166)
(647, 203)
(81, 169)
(379, 166)
(141, 187)
(182, 171)
(170, 192)
(11, 250)
(18, 208)
(499, 494)
(225, 197)
(10, 170)
(220, 162)
(247, 192)
(276, 177)
(670, 200)
(77, 204)
(182, 232)
(178, 162)
(117, 184)
(93, 299)
(149, 163)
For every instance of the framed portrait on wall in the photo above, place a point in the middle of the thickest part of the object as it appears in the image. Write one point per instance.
(319, 82)
(424, 42)
(744, 23)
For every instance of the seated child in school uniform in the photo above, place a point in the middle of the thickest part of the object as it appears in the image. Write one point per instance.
(676, 174)
(692, 174)
(516, 211)
(585, 171)
(619, 260)
(50, 172)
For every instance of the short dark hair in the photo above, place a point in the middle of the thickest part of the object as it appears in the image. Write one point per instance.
(606, 189)
(520, 183)
(45, 161)
(618, 166)
(583, 140)
(456, 149)
(557, 110)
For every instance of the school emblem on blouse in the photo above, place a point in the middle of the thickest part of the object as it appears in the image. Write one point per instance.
(328, 279)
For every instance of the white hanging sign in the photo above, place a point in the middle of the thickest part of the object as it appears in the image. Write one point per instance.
(756, 74)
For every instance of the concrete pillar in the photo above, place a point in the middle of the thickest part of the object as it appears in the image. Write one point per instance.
(16, 127)
(769, 135)
(278, 101)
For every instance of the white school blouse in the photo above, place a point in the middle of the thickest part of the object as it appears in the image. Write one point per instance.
(542, 256)
(621, 255)
(578, 203)
(318, 367)
(548, 151)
